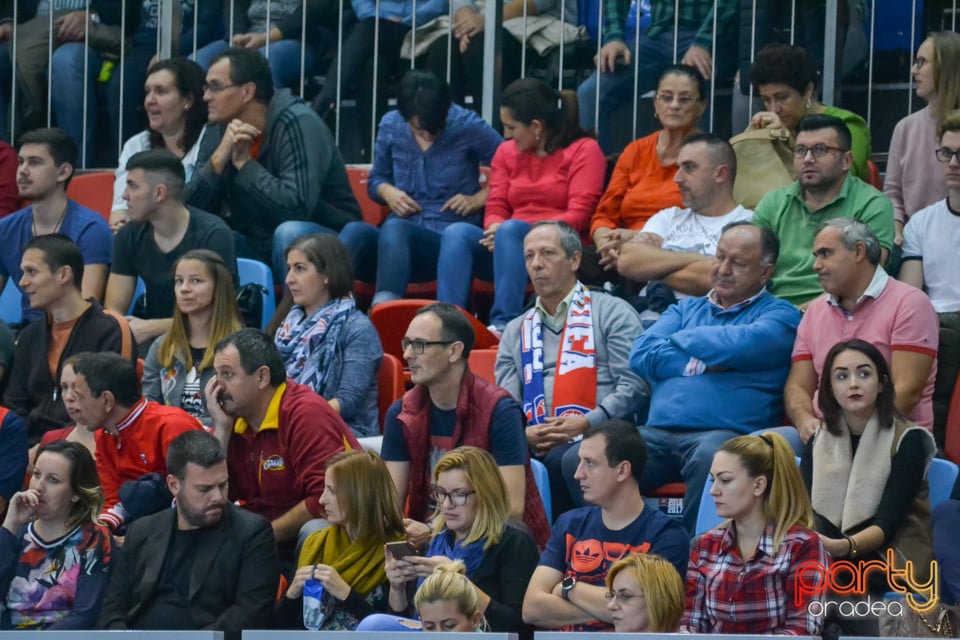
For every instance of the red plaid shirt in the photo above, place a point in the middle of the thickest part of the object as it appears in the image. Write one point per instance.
(727, 595)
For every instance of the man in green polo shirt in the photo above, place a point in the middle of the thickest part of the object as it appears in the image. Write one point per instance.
(824, 190)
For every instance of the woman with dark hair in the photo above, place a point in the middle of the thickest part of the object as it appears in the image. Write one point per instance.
(180, 363)
(347, 558)
(548, 169)
(176, 113)
(326, 343)
(786, 76)
(866, 467)
(426, 168)
(54, 556)
(742, 575)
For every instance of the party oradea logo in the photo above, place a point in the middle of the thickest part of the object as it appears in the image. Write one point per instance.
(847, 580)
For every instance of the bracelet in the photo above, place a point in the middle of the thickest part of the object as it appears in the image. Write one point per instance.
(852, 551)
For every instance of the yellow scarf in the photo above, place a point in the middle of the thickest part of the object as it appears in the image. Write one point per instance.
(359, 563)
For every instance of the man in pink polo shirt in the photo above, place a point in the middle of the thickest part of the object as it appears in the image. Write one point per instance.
(862, 301)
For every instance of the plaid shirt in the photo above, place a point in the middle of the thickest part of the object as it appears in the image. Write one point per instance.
(695, 15)
(727, 595)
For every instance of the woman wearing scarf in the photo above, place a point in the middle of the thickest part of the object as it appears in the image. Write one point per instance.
(347, 558)
(325, 342)
(866, 467)
(470, 526)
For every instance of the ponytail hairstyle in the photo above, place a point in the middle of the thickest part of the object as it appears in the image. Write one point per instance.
(785, 502)
(529, 99)
(447, 583)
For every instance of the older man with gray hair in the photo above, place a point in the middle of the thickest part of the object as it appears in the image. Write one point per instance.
(862, 301)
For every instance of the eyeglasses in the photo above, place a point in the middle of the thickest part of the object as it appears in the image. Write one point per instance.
(946, 154)
(217, 88)
(818, 150)
(669, 98)
(623, 597)
(919, 61)
(458, 497)
(419, 345)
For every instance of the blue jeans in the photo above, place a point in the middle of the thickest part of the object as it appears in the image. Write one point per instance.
(462, 258)
(283, 236)
(791, 435)
(66, 91)
(399, 252)
(682, 455)
(284, 60)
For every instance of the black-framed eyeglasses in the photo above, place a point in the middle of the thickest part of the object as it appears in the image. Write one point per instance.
(818, 150)
(946, 154)
(217, 88)
(919, 61)
(419, 345)
(458, 497)
(623, 597)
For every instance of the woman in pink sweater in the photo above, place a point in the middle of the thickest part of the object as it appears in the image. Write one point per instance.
(914, 177)
(548, 169)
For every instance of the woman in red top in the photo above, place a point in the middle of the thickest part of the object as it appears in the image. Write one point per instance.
(642, 182)
(548, 169)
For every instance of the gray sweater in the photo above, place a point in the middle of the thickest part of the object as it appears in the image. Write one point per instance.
(620, 392)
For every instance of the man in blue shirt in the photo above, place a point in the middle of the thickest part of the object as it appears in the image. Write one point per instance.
(47, 158)
(716, 364)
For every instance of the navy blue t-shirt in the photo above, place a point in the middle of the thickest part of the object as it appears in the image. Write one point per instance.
(581, 545)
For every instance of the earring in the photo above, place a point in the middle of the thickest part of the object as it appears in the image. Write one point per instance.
(537, 136)
(808, 103)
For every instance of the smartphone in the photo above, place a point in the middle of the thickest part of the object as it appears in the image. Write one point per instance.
(401, 549)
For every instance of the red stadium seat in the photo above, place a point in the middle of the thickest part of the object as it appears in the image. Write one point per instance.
(94, 191)
(390, 384)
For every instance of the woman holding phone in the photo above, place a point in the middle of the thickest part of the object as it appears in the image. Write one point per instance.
(470, 526)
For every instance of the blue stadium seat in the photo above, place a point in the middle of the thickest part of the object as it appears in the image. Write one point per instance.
(542, 481)
(941, 476)
(254, 271)
(10, 311)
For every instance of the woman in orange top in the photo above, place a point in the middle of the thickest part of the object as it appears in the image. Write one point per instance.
(642, 182)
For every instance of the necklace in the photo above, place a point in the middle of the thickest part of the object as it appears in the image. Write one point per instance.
(56, 227)
(942, 628)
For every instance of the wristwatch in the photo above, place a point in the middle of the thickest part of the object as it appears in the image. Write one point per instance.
(567, 586)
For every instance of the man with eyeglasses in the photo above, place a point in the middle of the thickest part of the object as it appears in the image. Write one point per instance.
(824, 190)
(450, 407)
(930, 242)
(862, 301)
(267, 162)
(278, 435)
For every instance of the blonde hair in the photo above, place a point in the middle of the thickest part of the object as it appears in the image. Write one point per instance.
(449, 583)
(224, 316)
(785, 501)
(659, 580)
(493, 502)
(367, 495)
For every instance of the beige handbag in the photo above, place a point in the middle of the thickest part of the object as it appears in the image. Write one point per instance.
(764, 163)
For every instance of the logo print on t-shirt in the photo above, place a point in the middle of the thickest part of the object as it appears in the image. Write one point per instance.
(274, 463)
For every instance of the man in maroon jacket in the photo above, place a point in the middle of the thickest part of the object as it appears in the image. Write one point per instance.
(277, 434)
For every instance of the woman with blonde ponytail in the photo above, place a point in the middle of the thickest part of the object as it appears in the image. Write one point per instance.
(742, 576)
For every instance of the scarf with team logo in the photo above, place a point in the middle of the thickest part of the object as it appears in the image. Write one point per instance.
(575, 375)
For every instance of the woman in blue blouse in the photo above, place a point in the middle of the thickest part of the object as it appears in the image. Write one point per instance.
(426, 168)
(325, 342)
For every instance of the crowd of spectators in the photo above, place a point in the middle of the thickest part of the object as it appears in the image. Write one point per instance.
(717, 343)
